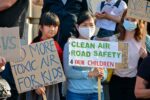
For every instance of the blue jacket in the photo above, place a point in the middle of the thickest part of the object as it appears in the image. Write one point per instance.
(77, 77)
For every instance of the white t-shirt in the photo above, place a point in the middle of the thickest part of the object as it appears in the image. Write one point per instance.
(112, 10)
(133, 57)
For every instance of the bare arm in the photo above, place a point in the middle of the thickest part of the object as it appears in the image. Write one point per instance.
(5, 4)
(140, 88)
(116, 19)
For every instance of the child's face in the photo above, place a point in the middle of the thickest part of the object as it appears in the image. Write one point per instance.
(87, 28)
(49, 31)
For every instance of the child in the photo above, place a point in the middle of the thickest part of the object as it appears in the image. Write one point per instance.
(108, 14)
(123, 80)
(49, 25)
(82, 82)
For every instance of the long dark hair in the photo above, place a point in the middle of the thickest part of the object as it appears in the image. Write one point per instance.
(138, 31)
(48, 19)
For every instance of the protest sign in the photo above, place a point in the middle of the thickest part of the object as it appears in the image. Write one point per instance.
(9, 43)
(39, 65)
(139, 9)
(87, 53)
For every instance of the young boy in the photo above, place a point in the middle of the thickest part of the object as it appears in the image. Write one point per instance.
(108, 14)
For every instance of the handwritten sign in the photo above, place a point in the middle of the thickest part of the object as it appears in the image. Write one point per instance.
(139, 9)
(39, 65)
(89, 53)
(9, 43)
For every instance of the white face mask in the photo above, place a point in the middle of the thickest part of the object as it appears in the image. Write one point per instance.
(129, 26)
(86, 32)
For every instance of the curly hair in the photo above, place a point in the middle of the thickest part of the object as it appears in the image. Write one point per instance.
(138, 31)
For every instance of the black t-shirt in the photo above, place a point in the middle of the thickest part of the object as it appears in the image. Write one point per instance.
(144, 72)
(15, 15)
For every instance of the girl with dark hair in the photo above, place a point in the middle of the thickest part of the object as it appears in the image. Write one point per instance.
(82, 82)
(123, 80)
(49, 25)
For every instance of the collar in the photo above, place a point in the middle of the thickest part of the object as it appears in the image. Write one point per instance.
(112, 2)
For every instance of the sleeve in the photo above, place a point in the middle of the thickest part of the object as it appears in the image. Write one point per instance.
(59, 50)
(144, 69)
(70, 72)
(122, 7)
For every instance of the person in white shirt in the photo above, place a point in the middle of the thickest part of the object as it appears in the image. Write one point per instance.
(123, 81)
(108, 14)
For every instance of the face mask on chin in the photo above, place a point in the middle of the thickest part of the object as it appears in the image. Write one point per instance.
(86, 32)
(129, 26)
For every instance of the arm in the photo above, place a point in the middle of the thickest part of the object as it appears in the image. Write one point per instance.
(114, 18)
(70, 72)
(5, 4)
(117, 17)
(140, 88)
(143, 52)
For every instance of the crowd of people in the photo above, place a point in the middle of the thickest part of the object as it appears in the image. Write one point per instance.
(62, 19)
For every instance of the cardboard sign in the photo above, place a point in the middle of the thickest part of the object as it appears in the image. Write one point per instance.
(9, 43)
(39, 65)
(87, 53)
(139, 9)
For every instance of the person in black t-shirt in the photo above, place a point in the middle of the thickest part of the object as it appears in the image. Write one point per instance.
(13, 13)
(142, 87)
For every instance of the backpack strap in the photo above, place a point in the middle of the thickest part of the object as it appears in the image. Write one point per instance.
(102, 5)
(117, 3)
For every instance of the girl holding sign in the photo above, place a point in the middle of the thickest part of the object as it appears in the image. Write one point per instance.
(123, 81)
(49, 24)
(82, 82)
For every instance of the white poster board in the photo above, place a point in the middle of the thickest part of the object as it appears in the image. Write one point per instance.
(90, 53)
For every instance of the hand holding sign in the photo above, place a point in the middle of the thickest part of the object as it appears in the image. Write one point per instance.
(40, 66)
(97, 72)
(40, 91)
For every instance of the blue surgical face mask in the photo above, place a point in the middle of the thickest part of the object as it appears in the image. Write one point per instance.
(129, 26)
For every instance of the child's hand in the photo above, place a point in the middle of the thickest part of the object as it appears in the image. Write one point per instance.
(101, 73)
(97, 72)
(2, 63)
(40, 90)
(101, 15)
